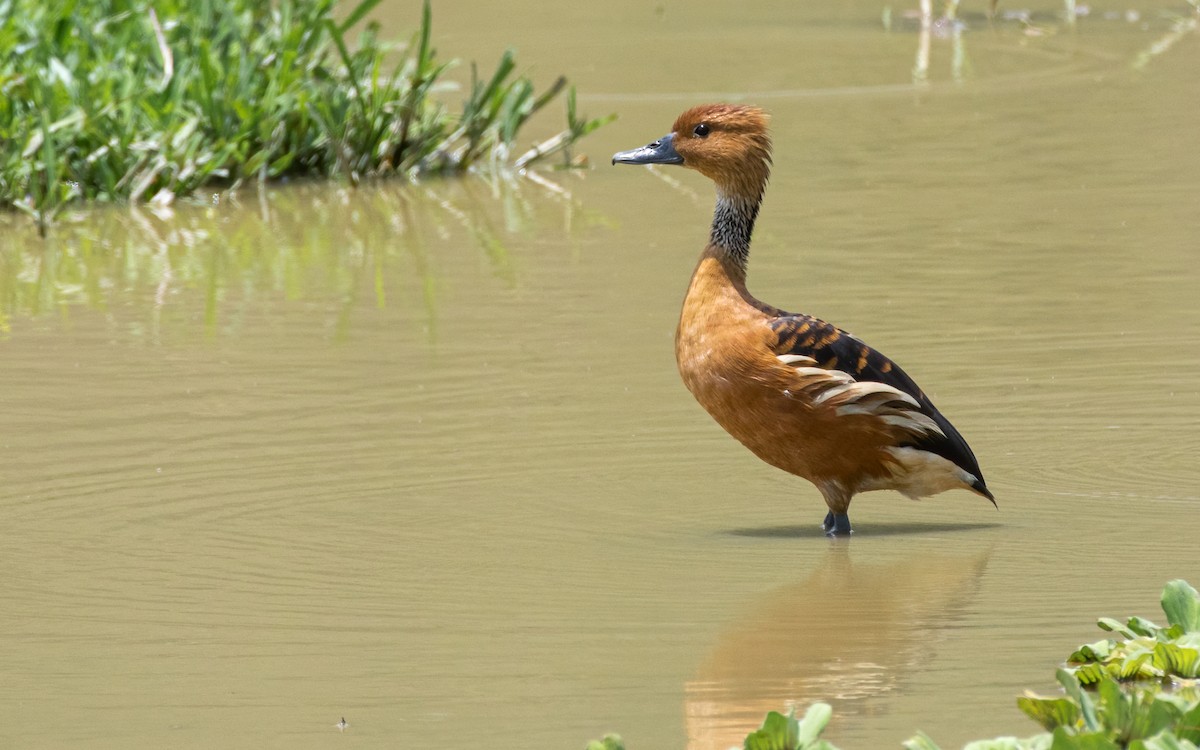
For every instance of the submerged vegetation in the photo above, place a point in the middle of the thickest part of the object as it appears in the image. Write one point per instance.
(1138, 693)
(112, 100)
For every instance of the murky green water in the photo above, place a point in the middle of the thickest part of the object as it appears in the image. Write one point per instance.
(419, 457)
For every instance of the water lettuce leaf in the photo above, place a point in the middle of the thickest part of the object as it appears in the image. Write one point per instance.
(1181, 604)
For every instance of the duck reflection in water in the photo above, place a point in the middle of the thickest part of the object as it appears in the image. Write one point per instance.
(876, 621)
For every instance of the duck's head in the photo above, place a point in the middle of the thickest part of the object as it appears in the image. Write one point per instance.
(727, 143)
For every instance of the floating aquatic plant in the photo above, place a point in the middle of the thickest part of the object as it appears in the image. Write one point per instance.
(610, 742)
(1139, 693)
(1113, 717)
(1099, 708)
(778, 732)
(785, 732)
(1148, 651)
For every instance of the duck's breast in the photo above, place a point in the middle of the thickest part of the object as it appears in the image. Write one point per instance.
(724, 348)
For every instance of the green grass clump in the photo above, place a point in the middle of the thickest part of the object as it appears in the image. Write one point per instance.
(114, 100)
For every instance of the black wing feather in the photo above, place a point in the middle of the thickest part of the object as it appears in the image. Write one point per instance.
(833, 348)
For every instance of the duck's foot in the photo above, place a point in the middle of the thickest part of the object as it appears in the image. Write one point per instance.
(837, 524)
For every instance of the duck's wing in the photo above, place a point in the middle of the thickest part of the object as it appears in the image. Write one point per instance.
(807, 341)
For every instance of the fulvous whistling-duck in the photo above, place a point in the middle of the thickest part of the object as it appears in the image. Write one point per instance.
(803, 395)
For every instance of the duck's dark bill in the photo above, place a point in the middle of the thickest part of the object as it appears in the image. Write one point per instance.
(661, 151)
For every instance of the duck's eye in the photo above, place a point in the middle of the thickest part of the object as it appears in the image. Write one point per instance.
(701, 130)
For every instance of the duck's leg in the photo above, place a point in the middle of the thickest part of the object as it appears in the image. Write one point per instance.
(837, 520)
(837, 524)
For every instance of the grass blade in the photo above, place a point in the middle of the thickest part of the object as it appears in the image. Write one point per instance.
(356, 15)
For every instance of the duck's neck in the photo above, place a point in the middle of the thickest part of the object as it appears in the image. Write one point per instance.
(732, 225)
